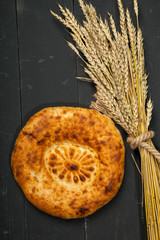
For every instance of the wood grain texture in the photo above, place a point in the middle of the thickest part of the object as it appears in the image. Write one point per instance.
(37, 70)
(47, 68)
(11, 210)
(121, 211)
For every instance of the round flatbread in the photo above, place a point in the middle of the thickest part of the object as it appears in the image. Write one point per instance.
(69, 161)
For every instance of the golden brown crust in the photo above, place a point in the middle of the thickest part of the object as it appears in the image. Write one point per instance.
(68, 161)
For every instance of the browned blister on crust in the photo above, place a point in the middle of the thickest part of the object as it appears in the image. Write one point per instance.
(68, 161)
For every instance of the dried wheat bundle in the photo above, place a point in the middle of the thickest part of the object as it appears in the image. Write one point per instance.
(115, 62)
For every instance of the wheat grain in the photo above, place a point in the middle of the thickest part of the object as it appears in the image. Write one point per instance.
(123, 21)
(149, 111)
(113, 25)
(136, 7)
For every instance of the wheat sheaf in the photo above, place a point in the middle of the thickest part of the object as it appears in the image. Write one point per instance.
(115, 62)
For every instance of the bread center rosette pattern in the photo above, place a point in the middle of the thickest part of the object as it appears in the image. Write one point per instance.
(71, 163)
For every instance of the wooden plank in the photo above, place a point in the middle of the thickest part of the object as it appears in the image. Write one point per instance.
(48, 79)
(150, 23)
(12, 201)
(123, 217)
(47, 76)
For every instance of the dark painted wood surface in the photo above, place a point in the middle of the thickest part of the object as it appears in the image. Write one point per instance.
(37, 69)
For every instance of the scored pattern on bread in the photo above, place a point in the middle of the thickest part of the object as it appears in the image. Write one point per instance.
(72, 163)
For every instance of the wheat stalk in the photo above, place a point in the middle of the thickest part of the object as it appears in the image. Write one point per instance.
(115, 63)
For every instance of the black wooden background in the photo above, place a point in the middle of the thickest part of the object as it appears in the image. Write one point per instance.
(38, 69)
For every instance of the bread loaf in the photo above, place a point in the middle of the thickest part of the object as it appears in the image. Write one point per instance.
(68, 161)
